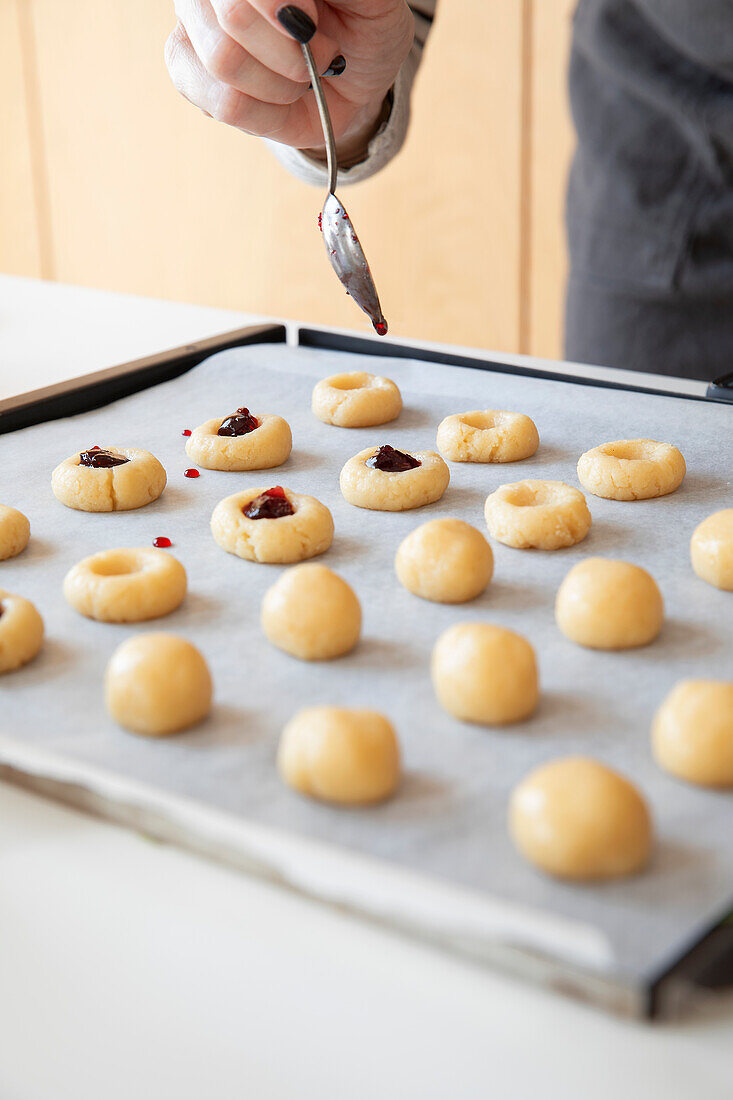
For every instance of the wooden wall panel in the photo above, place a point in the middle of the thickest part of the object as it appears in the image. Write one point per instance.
(147, 195)
(20, 246)
(550, 147)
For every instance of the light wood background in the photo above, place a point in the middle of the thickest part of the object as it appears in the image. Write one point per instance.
(110, 179)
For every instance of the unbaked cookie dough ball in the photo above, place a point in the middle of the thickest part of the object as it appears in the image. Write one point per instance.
(577, 819)
(156, 684)
(711, 549)
(356, 400)
(340, 754)
(241, 441)
(487, 435)
(108, 479)
(384, 479)
(311, 613)
(692, 733)
(485, 674)
(15, 530)
(445, 560)
(21, 631)
(631, 469)
(606, 604)
(126, 586)
(544, 515)
(272, 525)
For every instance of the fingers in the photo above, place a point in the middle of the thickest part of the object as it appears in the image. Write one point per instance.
(299, 20)
(226, 33)
(228, 62)
(217, 99)
(267, 39)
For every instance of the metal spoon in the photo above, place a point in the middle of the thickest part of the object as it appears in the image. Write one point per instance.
(339, 236)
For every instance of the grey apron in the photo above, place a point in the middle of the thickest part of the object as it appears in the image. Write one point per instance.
(650, 195)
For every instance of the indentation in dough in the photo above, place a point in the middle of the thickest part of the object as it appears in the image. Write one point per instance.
(350, 381)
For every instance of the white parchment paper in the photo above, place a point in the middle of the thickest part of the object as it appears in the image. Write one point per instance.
(448, 820)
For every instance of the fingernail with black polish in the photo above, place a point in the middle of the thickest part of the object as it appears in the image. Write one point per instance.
(337, 66)
(297, 23)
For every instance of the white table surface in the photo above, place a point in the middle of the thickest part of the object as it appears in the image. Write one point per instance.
(128, 969)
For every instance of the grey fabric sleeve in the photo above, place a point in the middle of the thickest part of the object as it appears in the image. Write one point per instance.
(389, 139)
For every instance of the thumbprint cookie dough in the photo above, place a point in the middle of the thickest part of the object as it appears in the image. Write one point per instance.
(340, 754)
(311, 613)
(606, 604)
(446, 561)
(384, 479)
(485, 674)
(272, 525)
(356, 400)
(15, 530)
(577, 819)
(544, 515)
(21, 631)
(632, 469)
(487, 435)
(108, 479)
(692, 733)
(157, 684)
(711, 550)
(126, 586)
(241, 441)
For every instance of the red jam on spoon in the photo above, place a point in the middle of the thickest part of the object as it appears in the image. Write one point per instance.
(272, 504)
(99, 459)
(391, 461)
(239, 423)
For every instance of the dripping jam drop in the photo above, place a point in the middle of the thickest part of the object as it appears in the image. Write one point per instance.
(191, 473)
(392, 461)
(162, 542)
(186, 431)
(272, 504)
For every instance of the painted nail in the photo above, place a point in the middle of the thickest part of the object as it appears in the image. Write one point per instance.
(337, 66)
(297, 23)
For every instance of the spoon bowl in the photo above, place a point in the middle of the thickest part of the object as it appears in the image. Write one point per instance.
(339, 236)
(348, 260)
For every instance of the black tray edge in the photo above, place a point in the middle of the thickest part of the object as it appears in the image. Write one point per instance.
(329, 340)
(92, 391)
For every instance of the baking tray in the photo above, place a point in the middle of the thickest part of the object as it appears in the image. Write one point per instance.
(435, 861)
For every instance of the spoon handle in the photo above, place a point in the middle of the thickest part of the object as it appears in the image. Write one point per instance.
(325, 117)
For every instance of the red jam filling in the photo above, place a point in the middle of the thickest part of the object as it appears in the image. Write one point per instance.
(162, 542)
(191, 472)
(272, 504)
(239, 423)
(101, 460)
(392, 461)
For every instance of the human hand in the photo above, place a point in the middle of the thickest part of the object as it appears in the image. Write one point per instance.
(240, 61)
